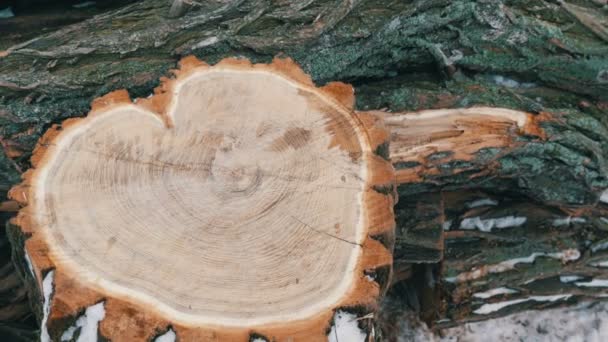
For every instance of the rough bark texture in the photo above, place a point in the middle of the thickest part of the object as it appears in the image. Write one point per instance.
(512, 232)
(534, 56)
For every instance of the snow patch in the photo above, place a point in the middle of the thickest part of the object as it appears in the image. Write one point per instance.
(569, 279)
(494, 292)
(205, 42)
(170, 336)
(29, 264)
(565, 256)
(346, 328)
(493, 307)
(604, 196)
(455, 57)
(6, 13)
(602, 263)
(566, 221)
(599, 246)
(88, 324)
(257, 339)
(447, 224)
(511, 83)
(488, 224)
(594, 283)
(47, 293)
(583, 322)
(507, 265)
(480, 202)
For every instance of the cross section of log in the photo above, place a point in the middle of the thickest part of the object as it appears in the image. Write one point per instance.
(238, 203)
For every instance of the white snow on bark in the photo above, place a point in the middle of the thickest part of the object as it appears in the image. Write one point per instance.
(29, 264)
(88, 324)
(481, 202)
(602, 263)
(570, 278)
(47, 293)
(604, 196)
(205, 42)
(507, 265)
(511, 83)
(566, 221)
(488, 224)
(493, 307)
(494, 292)
(447, 224)
(346, 328)
(170, 336)
(599, 246)
(594, 283)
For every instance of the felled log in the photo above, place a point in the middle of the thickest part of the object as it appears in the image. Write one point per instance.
(529, 56)
(503, 246)
(437, 150)
(457, 137)
(238, 203)
(520, 255)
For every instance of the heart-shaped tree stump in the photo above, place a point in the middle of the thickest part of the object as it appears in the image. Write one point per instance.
(238, 203)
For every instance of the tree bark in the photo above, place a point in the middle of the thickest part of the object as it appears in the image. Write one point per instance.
(545, 58)
(506, 227)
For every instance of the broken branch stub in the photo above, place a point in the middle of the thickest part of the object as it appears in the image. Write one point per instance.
(239, 201)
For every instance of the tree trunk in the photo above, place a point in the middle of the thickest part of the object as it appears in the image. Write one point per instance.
(261, 200)
(506, 228)
(487, 198)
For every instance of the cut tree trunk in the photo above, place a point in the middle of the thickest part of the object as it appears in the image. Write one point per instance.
(238, 203)
(536, 57)
(503, 244)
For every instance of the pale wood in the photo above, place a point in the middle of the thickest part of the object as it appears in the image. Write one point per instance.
(430, 138)
(237, 199)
